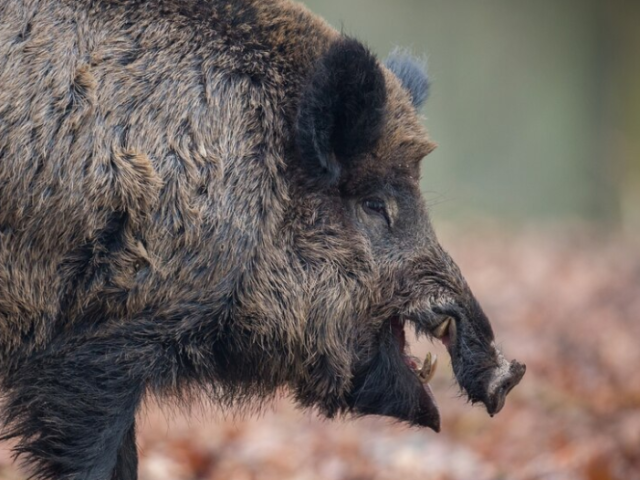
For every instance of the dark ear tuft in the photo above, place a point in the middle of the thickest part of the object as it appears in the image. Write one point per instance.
(412, 72)
(341, 109)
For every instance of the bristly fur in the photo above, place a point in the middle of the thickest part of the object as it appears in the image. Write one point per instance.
(183, 191)
(341, 111)
(412, 72)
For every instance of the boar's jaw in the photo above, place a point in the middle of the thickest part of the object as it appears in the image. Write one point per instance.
(390, 385)
(480, 368)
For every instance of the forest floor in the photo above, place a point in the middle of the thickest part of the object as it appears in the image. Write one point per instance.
(567, 305)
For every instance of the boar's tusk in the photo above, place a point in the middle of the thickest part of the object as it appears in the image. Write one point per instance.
(441, 330)
(428, 368)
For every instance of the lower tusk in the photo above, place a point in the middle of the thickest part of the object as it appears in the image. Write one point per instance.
(428, 368)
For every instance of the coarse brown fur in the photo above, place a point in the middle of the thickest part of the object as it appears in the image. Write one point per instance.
(169, 218)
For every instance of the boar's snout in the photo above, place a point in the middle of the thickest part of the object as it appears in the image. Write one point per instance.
(481, 369)
(505, 377)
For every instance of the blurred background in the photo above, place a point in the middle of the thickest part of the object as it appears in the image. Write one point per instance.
(535, 106)
(535, 191)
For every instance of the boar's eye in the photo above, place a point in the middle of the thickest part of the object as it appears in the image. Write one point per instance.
(376, 206)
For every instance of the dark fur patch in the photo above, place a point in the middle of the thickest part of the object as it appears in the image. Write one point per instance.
(73, 409)
(24, 33)
(341, 111)
(412, 72)
(127, 463)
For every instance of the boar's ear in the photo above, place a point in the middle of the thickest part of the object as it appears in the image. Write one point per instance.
(412, 72)
(341, 109)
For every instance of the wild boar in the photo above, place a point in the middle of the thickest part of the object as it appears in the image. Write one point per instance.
(218, 196)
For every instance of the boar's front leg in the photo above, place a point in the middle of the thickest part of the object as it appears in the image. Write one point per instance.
(73, 407)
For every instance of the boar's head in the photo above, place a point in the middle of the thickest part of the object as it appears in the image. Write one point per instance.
(372, 262)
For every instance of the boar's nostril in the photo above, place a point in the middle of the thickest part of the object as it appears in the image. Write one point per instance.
(500, 389)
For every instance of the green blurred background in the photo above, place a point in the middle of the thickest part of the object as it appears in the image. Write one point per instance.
(535, 105)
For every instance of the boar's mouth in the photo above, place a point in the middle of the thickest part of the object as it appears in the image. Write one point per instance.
(395, 383)
(424, 370)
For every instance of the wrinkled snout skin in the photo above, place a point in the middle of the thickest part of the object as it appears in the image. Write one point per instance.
(481, 369)
(218, 197)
